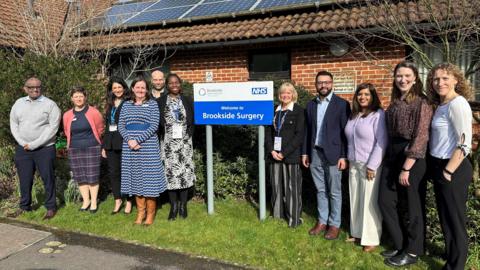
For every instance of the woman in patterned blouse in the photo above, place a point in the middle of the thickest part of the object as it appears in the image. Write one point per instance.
(408, 121)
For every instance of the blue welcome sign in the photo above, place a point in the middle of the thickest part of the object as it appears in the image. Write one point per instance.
(242, 103)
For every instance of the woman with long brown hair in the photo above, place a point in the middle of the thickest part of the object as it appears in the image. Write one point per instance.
(408, 122)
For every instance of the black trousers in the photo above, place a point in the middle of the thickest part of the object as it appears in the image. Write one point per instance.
(114, 159)
(410, 235)
(451, 197)
(43, 160)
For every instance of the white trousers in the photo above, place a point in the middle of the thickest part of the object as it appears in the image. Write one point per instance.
(365, 216)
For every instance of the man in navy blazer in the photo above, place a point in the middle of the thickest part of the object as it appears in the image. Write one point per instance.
(325, 153)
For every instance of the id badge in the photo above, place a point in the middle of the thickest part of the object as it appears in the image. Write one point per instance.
(277, 145)
(177, 131)
(112, 128)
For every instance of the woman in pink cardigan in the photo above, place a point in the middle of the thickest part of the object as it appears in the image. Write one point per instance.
(83, 126)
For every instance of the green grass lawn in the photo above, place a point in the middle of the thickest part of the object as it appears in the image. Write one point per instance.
(233, 234)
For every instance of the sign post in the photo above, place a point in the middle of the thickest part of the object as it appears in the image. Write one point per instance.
(243, 103)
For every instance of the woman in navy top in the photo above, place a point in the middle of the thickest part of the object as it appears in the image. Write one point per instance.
(450, 142)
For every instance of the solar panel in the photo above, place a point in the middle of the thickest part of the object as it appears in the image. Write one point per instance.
(210, 8)
(158, 15)
(173, 3)
(266, 4)
(150, 12)
(128, 8)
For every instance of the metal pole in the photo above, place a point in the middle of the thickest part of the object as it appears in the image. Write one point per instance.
(209, 169)
(261, 171)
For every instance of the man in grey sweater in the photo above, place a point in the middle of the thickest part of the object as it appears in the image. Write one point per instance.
(34, 122)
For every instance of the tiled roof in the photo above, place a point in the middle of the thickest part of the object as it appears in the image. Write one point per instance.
(20, 28)
(263, 26)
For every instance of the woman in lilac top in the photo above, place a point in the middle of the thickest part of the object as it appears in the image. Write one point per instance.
(366, 134)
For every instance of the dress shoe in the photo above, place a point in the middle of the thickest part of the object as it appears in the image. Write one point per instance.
(317, 229)
(402, 259)
(50, 214)
(352, 240)
(182, 210)
(81, 209)
(332, 233)
(114, 212)
(128, 208)
(93, 211)
(369, 248)
(390, 253)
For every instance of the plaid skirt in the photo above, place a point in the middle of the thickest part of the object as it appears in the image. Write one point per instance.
(85, 164)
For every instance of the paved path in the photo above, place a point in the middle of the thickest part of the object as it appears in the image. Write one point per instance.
(24, 246)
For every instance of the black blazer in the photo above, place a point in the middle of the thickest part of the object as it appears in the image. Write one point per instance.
(162, 105)
(112, 140)
(336, 117)
(292, 133)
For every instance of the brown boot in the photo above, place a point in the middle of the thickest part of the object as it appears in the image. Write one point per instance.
(140, 200)
(151, 210)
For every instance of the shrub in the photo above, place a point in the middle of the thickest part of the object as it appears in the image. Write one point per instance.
(58, 76)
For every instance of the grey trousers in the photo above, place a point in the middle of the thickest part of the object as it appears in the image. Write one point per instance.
(286, 181)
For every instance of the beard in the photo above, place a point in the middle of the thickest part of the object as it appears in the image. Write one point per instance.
(323, 92)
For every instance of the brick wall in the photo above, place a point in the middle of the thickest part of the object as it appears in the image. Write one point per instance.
(307, 58)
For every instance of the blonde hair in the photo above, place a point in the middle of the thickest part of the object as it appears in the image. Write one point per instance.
(288, 86)
(463, 87)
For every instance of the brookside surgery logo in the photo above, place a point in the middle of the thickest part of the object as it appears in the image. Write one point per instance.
(259, 90)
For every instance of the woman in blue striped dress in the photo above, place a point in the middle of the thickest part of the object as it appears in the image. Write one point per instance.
(142, 170)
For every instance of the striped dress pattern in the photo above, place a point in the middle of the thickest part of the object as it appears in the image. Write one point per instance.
(142, 172)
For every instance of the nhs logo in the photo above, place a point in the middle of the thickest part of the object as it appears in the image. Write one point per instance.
(259, 91)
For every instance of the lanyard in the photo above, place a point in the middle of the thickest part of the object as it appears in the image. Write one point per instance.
(280, 120)
(112, 115)
(175, 110)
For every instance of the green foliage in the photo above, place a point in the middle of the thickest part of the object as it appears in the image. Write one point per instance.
(304, 96)
(7, 172)
(230, 178)
(58, 76)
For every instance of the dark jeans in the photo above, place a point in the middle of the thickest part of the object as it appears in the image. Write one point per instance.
(43, 160)
(410, 236)
(451, 197)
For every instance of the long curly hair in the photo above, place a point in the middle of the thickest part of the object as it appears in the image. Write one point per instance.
(463, 87)
(417, 88)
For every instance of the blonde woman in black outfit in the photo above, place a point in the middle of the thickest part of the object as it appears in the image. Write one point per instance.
(283, 143)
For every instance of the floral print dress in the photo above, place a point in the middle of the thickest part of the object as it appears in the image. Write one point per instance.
(177, 153)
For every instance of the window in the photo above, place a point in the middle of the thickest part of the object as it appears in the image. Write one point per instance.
(463, 61)
(269, 65)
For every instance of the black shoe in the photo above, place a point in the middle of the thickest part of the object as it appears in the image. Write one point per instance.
(403, 259)
(390, 253)
(173, 211)
(118, 210)
(84, 209)
(183, 210)
(93, 211)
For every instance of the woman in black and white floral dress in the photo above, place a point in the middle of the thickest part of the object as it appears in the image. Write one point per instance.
(176, 130)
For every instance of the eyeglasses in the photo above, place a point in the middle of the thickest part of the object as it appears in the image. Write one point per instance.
(324, 83)
(33, 87)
